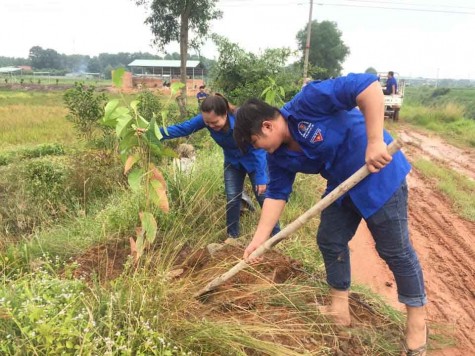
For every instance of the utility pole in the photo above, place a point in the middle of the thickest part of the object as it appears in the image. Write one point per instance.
(307, 45)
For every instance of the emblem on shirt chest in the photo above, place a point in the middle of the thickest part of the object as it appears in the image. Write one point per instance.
(317, 136)
(305, 128)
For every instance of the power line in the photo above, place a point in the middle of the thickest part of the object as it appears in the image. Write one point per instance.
(399, 8)
(450, 10)
(413, 4)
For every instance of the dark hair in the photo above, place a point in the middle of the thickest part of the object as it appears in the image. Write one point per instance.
(249, 119)
(216, 103)
(391, 73)
(201, 87)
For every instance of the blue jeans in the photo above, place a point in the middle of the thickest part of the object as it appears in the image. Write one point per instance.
(390, 231)
(233, 185)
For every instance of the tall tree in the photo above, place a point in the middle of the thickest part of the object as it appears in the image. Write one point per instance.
(44, 58)
(327, 49)
(172, 20)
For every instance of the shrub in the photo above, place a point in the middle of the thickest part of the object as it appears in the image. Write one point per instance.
(43, 150)
(85, 109)
(95, 174)
(149, 105)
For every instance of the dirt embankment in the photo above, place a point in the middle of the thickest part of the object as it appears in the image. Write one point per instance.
(444, 243)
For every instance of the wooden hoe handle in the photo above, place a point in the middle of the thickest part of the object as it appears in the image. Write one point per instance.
(339, 191)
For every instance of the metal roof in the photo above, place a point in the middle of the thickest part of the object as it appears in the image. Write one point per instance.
(9, 69)
(162, 63)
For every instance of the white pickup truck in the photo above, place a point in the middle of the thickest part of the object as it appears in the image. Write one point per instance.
(392, 103)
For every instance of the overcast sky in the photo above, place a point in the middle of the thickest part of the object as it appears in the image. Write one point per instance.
(429, 38)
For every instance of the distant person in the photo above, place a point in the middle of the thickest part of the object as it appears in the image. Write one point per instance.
(201, 95)
(391, 84)
(320, 131)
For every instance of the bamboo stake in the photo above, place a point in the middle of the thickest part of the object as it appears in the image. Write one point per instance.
(344, 187)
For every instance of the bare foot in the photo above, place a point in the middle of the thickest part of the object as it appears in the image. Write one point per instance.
(339, 309)
(416, 330)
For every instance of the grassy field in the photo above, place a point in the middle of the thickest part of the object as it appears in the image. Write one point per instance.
(449, 113)
(463, 97)
(61, 205)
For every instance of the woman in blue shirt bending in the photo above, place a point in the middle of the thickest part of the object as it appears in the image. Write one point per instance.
(217, 117)
(320, 131)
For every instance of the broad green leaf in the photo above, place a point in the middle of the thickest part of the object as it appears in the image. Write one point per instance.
(143, 123)
(282, 91)
(164, 114)
(117, 77)
(110, 107)
(265, 91)
(175, 87)
(156, 130)
(129, 141)
(122, 123)
(135, 179)
(134, 105)
(149, 226)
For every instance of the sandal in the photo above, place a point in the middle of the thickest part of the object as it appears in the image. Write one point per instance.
(420, 350)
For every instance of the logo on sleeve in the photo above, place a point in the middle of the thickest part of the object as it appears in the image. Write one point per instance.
(317, 136)
(305, 128)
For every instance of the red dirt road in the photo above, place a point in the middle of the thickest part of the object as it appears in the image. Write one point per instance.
(444, 243)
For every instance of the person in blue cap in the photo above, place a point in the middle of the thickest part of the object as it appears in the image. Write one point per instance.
(332, 128)
(217, 116)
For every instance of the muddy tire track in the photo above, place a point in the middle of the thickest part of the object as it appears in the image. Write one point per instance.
(435, 149)
(444, 243)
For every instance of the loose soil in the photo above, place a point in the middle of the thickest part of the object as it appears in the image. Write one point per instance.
(443, 241)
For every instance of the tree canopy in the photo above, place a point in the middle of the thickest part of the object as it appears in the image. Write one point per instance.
(327, 49)
(241, 75)
(172, 20)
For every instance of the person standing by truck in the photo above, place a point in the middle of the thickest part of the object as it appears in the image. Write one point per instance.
(391, 84)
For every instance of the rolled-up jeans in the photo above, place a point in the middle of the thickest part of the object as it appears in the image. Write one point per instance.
(389, 227)
(233, 185)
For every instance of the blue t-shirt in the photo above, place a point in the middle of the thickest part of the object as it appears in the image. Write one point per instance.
(331, 133)
(389, 85)
(252, 161)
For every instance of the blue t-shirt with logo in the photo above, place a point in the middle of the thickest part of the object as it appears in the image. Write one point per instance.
(331, 133)
(254, 160)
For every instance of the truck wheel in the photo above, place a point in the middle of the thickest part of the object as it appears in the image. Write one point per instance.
(396, 115)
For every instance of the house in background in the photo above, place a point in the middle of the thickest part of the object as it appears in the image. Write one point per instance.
(156, 73)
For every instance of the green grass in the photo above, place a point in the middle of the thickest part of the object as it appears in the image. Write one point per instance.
(459, 189)
(33, 118)
(45, 310)
(430, 97)
(446, 120)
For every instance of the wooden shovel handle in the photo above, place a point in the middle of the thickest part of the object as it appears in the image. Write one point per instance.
(339, 191)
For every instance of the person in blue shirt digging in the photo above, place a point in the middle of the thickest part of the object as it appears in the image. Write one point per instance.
(320, 131)
(216, 116)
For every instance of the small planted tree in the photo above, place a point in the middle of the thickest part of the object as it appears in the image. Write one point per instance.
(139, 137)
